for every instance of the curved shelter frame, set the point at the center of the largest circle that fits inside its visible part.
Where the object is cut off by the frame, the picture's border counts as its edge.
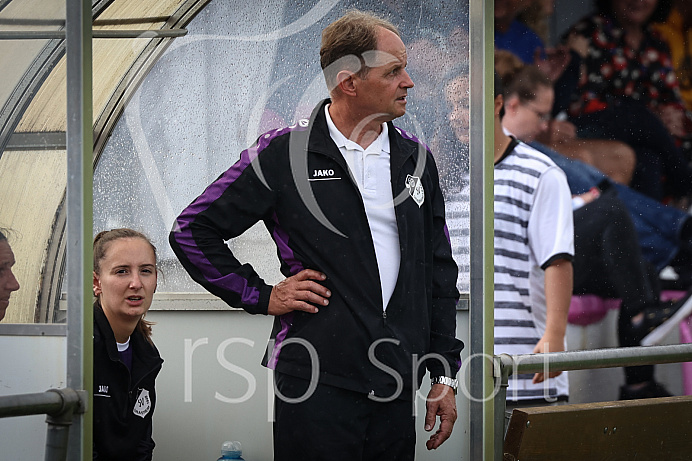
(33, 124)
(131, 41)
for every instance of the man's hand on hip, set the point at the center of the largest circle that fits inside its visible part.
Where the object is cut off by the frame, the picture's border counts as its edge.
(299, 292)
(441, 402)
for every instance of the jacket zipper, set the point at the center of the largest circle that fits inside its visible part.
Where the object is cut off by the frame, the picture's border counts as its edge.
(344, 166)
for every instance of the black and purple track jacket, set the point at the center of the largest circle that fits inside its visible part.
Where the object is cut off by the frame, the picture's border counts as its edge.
(296, 181)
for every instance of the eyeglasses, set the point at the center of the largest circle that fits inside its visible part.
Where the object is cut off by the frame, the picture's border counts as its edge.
(541, 115)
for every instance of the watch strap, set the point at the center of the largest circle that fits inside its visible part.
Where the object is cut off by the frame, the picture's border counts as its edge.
(447, 381)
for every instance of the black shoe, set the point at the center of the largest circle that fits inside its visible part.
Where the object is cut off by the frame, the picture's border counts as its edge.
(652, 390)
(659, 321)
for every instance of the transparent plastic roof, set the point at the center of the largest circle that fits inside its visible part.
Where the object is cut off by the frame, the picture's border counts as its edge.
(237, 74)
(33, 123)
(17, 56)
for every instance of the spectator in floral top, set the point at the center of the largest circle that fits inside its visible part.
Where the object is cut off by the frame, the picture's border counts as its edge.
(516, 41)
(628, 92)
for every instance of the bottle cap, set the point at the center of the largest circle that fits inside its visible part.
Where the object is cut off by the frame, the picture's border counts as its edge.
(231, 448)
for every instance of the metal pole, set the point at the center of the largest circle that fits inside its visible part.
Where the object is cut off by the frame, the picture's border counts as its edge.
(79, 215)
(30, 404)
(481, 171)
(501, 375)
(59, 422)
(57, 436)
(596, 358)
(58, 404)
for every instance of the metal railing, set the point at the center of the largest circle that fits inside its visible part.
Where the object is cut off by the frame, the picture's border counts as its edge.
(60, 405)
(506, 365)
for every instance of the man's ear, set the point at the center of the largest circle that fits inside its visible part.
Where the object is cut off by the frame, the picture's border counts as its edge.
(345, 81)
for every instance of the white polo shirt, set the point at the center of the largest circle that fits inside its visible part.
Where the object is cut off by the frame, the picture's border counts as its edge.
(371, 171)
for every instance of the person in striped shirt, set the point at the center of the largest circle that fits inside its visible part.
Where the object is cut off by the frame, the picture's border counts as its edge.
(534, 248)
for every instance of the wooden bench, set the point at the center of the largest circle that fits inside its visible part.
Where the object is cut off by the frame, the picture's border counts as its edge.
(648, 429)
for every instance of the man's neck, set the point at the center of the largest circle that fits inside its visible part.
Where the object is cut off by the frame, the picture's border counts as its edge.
(501, 143)
(353, 127)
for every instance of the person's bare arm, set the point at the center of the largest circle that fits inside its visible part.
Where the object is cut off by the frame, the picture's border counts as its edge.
(558, 294)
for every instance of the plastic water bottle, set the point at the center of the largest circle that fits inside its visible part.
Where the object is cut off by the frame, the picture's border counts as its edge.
(231, 450)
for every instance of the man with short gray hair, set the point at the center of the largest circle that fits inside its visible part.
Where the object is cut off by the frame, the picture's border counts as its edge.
(354, 206)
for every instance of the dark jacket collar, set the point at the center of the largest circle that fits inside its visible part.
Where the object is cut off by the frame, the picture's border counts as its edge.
(104, 333)
(141, 348)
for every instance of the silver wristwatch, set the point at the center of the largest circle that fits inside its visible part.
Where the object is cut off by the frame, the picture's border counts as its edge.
(447, 381)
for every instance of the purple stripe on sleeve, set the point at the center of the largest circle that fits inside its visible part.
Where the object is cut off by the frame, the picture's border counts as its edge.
(447, 234)
(286, 323)
(183, 232)
(281, 238)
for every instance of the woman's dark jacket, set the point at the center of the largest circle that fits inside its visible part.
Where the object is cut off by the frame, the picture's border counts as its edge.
(124, 400)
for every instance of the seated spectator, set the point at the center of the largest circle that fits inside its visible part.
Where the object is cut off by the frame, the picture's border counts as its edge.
(8, 282)
(615, 159)
(126, 362)
(627, 91)
(608, 263)
(607, 259)
(664, 232)
(513, 35)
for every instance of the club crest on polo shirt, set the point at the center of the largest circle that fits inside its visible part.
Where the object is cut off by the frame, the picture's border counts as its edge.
(415, 189)
(143, 404)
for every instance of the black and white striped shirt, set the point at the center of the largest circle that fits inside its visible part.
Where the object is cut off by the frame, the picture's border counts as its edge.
(533, 228)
